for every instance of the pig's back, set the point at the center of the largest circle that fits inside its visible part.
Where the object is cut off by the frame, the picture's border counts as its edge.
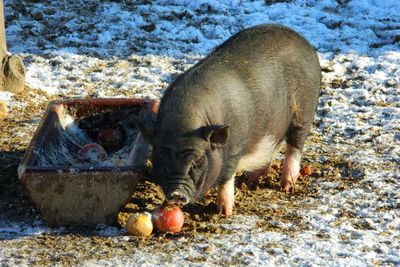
(248, 83)
(255, 75)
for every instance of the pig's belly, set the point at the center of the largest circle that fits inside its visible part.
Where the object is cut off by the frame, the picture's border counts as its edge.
(262, 155)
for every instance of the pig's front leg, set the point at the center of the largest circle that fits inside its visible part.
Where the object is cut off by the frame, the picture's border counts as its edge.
(226, 197)
(226, 187)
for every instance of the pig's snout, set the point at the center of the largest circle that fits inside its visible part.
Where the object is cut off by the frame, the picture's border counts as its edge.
(177, 197)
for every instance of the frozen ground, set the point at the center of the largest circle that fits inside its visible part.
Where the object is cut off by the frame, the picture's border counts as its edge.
(350, 216)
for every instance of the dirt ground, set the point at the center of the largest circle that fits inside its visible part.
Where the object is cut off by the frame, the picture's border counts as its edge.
(76, 243)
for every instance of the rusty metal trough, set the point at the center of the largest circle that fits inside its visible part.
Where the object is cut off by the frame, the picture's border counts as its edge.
(68, 194)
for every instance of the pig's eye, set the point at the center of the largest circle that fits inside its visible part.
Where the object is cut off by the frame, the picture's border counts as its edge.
(197, 161)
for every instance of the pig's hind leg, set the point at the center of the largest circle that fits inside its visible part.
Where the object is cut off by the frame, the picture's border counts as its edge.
(291, 168)
(295, 138)
(254, 176)
(303, 109)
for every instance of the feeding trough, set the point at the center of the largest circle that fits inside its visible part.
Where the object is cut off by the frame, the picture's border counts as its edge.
(68, 188)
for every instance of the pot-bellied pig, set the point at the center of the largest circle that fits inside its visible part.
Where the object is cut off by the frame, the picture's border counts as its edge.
(231, 111)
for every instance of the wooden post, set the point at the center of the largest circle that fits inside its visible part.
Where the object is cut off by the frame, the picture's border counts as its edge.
(3, 43)
(12, 71)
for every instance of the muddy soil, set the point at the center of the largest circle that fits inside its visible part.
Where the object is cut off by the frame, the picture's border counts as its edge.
(251, 198)
(72, 245)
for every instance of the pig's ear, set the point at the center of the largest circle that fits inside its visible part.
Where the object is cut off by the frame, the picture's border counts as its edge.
(217, 135)
(146, 128)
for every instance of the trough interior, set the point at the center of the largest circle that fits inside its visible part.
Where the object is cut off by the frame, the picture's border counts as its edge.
(71, 125)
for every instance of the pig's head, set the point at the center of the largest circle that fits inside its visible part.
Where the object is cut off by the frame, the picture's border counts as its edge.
(186, 165)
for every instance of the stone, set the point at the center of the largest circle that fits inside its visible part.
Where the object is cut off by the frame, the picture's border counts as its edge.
(13, 77)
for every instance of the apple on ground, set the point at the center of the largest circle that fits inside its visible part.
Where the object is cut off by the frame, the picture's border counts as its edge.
(168, 219)
(140, 225)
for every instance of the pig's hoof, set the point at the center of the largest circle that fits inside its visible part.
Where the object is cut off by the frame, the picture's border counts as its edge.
(225, 204)
(226, 198)
(254, 177)
(249, 178)
(225, 209)
(288, 183)
(287, 188)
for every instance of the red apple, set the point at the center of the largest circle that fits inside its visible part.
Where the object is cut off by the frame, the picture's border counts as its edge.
(168, 219)
(92, 153)
(110, 138)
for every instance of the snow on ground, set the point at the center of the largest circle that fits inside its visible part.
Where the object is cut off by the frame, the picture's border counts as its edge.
(135, 48)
